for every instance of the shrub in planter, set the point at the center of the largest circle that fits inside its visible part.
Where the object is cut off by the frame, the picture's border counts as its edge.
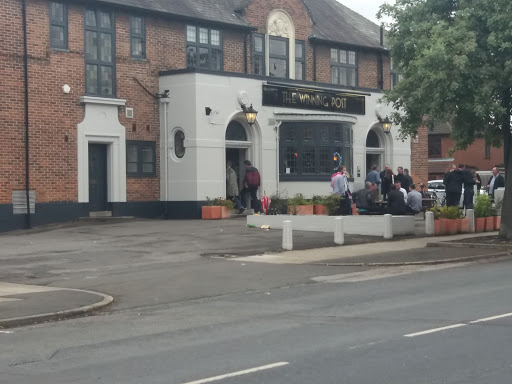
(278, 205)
(483, 209)
(298, 205)
(479, 224)
(318, 206)
(448, 220)
(219, 208)
(332, 204)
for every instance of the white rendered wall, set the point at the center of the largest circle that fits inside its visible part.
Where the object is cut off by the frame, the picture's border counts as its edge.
(201, 172)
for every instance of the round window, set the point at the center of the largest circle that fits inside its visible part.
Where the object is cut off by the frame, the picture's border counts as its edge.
(179, 144)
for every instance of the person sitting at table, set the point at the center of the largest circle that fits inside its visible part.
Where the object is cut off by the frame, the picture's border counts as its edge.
(396, 202)
(365, 200)
(425, 194)
(414, 202)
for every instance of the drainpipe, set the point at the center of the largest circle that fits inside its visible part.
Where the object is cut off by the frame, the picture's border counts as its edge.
(245, 53)
(28, 222)
(381, 60)
(314, 62)
(165, 102)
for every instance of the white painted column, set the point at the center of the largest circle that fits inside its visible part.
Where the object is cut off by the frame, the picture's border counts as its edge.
(388, 226)
(287, 236)
(470, 214)
(339, 232)
(429, 223)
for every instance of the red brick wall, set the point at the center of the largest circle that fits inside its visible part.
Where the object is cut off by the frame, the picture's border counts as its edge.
(473, 155)
(419, 157)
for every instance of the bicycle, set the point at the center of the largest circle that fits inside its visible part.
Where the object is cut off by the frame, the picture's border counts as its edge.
(440, 200)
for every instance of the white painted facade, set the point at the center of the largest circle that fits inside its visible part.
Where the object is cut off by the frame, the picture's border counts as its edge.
(201, 172)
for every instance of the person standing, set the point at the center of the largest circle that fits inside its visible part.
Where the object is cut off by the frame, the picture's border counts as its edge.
(373, 176)
(400, 176)
(387, 181)
(232, 187)
(469, 187)
(340, 187)
(252, 184)
(478, 180)
(453, 180)
(496, 181)
(407, 180)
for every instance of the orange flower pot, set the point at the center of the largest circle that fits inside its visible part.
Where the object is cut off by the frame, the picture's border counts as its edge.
(489, 224)
(439, 227)
(451, 226)
(463, 225)
(497, 222)
(301, 210)
(479, 224)
(320, 209)
(215, 212)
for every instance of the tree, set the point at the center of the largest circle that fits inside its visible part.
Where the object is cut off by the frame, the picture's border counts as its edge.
(455, 57)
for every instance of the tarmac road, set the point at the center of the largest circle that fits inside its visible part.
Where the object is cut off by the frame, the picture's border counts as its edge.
(434, 324)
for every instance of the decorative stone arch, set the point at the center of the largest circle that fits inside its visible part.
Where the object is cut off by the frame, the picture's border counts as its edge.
(377, 142)
(280, 24)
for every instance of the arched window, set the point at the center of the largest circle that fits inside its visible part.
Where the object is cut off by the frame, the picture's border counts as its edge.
(179, 144)
(236, 132)
(372, 140)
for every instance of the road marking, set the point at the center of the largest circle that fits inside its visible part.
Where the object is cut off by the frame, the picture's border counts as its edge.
(6, 332)
(435, 330)
(491, 318)
(239, 373)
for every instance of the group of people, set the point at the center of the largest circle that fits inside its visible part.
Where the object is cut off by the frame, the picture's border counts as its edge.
(463, 176)
(399, 191)
(250, 186)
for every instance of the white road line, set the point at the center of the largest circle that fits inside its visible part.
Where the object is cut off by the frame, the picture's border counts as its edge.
(491, 318)
(6, 332)
(239, 373)
(435, 330)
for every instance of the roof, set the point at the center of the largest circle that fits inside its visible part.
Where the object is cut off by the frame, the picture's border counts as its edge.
(334, 22)
(441, 129)
(216, 11)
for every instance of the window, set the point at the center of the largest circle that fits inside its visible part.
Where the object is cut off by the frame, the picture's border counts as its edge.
(300, 60)
(343, 67)
(99, 53)
(434, 147)
(311, 150)
(204, 48)
(259, 54)
(179, 144)
(137, 37)
(140, 158)
(236, 132)
(487, 150)
(58, 25)
(278, 57)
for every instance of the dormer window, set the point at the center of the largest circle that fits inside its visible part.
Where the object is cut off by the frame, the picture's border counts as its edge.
(204, 48)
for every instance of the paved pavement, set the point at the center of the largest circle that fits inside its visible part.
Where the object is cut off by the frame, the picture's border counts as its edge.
(34, 260)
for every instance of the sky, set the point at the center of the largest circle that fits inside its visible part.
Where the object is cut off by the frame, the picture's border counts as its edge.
(367, 8)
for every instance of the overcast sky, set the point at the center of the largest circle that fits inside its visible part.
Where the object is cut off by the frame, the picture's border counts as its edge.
(367, 8)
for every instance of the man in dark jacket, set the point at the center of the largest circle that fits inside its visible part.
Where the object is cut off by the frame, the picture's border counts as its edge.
(495, 182)
(407, 180)
(469, 186)
(251, 185)
(453, 183)
(400, 177)
(396, 202)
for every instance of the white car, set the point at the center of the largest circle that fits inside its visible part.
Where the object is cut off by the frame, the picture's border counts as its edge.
(439, 188)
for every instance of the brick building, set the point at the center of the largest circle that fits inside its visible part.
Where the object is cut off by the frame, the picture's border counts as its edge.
(134, 106)
(479, 155)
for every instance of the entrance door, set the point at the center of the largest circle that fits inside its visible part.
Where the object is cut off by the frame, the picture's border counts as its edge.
(98, 197)
(237, 157)
(373, 159)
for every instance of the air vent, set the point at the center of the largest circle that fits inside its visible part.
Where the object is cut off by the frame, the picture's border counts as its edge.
(19, 202)
(129, 113)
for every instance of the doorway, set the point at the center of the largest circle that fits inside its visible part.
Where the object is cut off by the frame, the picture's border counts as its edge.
(237, 157)
(98, 188)
(373, 159)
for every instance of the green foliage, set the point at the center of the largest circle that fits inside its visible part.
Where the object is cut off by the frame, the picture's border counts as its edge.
(332, 204)
(437, 214)
(318, 200)
(278, 203)
(450, 212)
(298, 199)
(483, 206)
(219, 201)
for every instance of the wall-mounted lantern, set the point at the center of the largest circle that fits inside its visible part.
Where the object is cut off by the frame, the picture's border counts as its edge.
(250, 114)
(386, 124)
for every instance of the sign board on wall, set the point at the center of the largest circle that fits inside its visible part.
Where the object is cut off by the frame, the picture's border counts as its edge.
(305, 98)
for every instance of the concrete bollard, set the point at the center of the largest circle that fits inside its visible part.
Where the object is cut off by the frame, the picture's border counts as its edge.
(287, 235)
(339, 231)
(470, 214)
(388, 226)
(429, 223)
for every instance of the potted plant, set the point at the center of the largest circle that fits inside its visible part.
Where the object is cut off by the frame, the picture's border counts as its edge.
(218, 208)
(332, 204)
(318, 206)
(451, 217)
(298, 205)
(482, 211)
(278, 205)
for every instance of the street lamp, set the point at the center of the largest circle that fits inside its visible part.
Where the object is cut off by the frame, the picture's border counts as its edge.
(250, 114)
(386, 124)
